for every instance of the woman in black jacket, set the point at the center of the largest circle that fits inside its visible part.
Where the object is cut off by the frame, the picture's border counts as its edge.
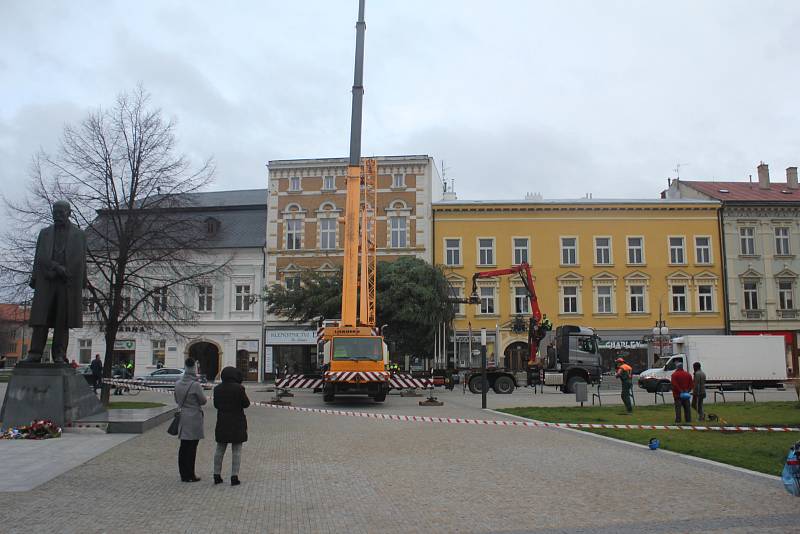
(230, 400)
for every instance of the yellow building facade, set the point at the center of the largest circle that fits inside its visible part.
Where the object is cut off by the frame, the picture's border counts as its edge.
(610, 265)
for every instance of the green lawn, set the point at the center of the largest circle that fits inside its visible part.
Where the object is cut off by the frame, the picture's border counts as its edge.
(132, 405)
(733, 413)
(762, 451)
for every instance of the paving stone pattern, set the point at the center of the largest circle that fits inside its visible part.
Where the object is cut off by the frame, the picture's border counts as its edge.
(320, 473)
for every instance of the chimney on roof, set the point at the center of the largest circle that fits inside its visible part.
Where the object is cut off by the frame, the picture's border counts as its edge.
(791, 177)
(763, 176)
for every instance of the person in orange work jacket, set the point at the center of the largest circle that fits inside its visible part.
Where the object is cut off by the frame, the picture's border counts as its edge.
(625, 375)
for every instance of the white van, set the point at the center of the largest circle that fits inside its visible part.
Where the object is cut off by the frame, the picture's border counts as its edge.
(759, 361)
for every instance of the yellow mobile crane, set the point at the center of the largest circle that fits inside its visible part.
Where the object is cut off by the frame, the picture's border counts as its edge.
(354, 353)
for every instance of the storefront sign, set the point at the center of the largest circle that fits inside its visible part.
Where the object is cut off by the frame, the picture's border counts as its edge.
(268, 364)
(623, 344)
(124, 344)
(291, 337)
(250, 345)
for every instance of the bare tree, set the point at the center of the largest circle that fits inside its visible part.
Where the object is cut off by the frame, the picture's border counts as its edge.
(132, 194)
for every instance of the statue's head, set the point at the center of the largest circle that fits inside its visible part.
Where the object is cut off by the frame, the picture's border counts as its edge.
(61, 211)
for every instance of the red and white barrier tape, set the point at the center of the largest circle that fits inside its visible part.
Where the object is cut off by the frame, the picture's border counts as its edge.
(527, 424)
(524, 424)
(160, 385)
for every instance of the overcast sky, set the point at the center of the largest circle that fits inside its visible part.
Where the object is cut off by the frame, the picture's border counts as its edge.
(559, 97)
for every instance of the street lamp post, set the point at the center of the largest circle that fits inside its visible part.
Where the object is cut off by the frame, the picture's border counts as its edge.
(659, 331)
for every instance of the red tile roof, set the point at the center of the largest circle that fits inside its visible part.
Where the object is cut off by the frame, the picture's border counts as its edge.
(746, 191)
(14, 313)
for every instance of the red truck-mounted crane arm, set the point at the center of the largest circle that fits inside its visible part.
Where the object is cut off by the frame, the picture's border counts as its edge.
(536, 331)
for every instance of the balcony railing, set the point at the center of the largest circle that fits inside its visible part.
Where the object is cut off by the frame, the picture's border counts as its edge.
(753, 314)
(787, 314)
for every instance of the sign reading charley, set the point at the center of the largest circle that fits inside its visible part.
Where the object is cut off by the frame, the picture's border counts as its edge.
(58, 281)
(39, 390)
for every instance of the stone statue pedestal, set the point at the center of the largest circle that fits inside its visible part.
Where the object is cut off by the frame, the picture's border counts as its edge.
(47, 391)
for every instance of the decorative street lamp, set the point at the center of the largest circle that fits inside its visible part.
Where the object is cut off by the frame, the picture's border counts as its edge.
(659, 331)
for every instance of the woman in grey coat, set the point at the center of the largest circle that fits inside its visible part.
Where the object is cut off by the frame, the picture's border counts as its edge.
(190, 398)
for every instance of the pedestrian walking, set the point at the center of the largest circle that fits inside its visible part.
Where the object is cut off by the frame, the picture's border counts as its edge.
(97, 372)
(190, 398)
(699, 391)
(230, 400)
(682, 385)
(74, 364)
(625, 375)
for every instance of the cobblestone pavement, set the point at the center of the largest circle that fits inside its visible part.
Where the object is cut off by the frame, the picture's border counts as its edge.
(319, 473)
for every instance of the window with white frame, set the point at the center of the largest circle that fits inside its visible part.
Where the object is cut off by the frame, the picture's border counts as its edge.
(702, 250)
(205, 298)
(457, 292)
(291, 282)
(327, 233)
(293, 234)
(159, 351)
(678, 298)
(602, 250)
(605, 298)
(750, 290)
(677, 254)
(328, 183)
(785, 295)
(452, 251)
(705, 298)
(159, 296)
(521, 301)
(782, 241)
(487, 306)
(294, 183)
(399, 233)
(636, 298)
(398, 180)
(88, 306)
(486, 251)
(635, 250)
(521, 250)
(242, 298)
(569, 300)
(747, 241)
(84, 350)
(569, 251)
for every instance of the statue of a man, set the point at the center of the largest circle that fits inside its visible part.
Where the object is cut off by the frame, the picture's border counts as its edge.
(58, 280)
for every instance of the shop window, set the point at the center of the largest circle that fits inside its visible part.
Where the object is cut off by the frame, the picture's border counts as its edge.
(159, 351)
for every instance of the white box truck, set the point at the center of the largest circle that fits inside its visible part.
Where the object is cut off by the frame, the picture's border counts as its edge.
(758, 361)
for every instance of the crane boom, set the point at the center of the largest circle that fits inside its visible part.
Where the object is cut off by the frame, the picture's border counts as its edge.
(352, 218)
(536, 331)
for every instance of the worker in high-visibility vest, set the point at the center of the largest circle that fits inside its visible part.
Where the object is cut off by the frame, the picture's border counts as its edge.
(625, 375)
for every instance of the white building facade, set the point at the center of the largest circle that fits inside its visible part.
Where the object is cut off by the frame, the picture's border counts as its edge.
(760, 222)
(227, 326)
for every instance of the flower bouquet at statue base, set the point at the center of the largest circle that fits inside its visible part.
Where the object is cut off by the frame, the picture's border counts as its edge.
(39, 429)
